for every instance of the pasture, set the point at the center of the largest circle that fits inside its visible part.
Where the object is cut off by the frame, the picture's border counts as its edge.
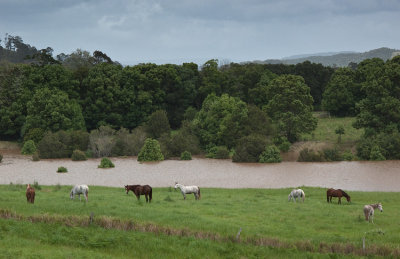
(172, 227)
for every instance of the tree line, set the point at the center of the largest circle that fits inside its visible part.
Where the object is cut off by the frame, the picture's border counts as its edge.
(230, 107)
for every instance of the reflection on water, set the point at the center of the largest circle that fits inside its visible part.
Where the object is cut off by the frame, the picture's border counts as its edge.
(366, 176)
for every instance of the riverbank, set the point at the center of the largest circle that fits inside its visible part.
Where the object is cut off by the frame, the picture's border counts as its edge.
(352, 176)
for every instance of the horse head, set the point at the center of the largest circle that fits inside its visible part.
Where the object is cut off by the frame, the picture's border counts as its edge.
(176, 185)
(126, 189)
(380, 207)
(28, 186)
(348, 199)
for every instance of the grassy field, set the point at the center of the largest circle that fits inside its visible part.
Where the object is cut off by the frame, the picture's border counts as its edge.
(172, 227)
(326, 127)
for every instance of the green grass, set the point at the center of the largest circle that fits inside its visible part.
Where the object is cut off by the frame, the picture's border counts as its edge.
(325, 130)
(263, 214)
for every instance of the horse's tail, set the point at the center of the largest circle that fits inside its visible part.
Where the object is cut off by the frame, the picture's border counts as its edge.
(303, 195)
(199, 193)
(151, 194)
(87, 194)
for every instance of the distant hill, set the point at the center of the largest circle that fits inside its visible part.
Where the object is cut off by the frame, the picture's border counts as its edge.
(340, 59)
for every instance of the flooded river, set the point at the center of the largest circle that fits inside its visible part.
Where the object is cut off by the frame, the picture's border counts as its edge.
(363, 176)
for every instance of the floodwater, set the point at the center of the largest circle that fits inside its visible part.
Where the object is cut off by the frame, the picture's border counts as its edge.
(361, 176)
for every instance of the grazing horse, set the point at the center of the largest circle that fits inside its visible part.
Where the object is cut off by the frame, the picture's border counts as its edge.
(369, 211)
(30, 194)
(188, 189)
(79, 189)
(296, 193)
(336, 193)
(138, 190)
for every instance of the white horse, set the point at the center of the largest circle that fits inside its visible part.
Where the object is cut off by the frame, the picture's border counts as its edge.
(296, 193)
(188, 189)
(79, 189)
(369, 211)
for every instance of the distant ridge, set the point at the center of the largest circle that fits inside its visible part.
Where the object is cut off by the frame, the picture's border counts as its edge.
(334, 59)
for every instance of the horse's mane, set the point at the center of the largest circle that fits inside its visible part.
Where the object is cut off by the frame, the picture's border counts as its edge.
(344, 193)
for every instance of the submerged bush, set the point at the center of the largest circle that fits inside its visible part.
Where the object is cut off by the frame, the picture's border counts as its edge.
(1, 157)
(186, 155)
(62, 169)
(309, 155)
(78, 155)
(332, 154)
(271, 154)
(151, 151)
(348, 156)
(106, 163)
(250, 148)
(29, 148)
(35, 156)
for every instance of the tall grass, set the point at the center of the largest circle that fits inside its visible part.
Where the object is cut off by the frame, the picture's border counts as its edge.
(264, 215)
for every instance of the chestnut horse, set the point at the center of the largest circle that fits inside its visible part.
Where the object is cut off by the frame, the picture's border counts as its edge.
(30, 194)
(336, 193)
(138, 190)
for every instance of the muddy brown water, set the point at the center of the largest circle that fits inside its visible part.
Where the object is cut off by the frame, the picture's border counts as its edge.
(361, 176)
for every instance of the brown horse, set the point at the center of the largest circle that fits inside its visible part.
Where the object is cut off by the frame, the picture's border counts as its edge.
(30, 194)
(138, 190)
(336, 193)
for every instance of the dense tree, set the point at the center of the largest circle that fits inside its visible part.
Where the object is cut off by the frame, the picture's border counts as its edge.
(53, 110)
(221, 120)
(157, 124)
(290, 105)
(338, 97)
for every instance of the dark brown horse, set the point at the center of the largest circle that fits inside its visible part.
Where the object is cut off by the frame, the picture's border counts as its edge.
(336, 193)
(30, 194)
(138, 190)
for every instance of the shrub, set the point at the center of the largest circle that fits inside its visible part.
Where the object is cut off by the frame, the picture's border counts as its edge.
(183, 140)
(347, 156)
(309, 155)
(186, 155)
(376, 154)
(78, 155)
(249, 148)
(222, 152)
(29, 148)
(35, 156)
(106, 163)
(35, 134)
(128, 144)
(102, 141)
(282, 143)
(62, 169)
(332, 154)
(211, 151)
(150, 151)
(271, 154)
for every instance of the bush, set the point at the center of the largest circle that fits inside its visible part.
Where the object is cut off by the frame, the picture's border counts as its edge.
(62, 169)
(106, 163)
(128, 144)
(78, 155)
(348, 156)
(332, 155)
(186, 155)
(29, 148)
(376, 154)
(271, 154)
(211, 151)
(35, 134)
(36, 185)
(35, 156)
(151, 151)
(249, 148)
(222, 152)
(102, 141)
(309, 155)
(282, 143)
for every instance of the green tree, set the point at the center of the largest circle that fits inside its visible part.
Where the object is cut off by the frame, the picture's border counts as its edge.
(151, 151)
(340, 131)
(220, 122)
(290, 105)
(338, 97)
(271, 154)
(53, 110)
(157, 124)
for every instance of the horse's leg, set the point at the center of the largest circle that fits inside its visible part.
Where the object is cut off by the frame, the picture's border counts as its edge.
(147, 200)
(339, 200)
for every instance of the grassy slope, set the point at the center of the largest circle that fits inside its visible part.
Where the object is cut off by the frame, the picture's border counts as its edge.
(261, 213)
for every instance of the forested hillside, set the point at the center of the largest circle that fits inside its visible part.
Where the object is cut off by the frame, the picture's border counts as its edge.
(89, 102)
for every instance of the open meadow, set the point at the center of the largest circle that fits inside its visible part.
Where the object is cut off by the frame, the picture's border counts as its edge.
(172, 227)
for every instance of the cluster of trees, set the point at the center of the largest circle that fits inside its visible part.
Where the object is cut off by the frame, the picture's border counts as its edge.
(234, 108)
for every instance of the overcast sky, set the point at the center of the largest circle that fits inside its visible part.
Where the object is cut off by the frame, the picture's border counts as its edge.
(176, 31)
